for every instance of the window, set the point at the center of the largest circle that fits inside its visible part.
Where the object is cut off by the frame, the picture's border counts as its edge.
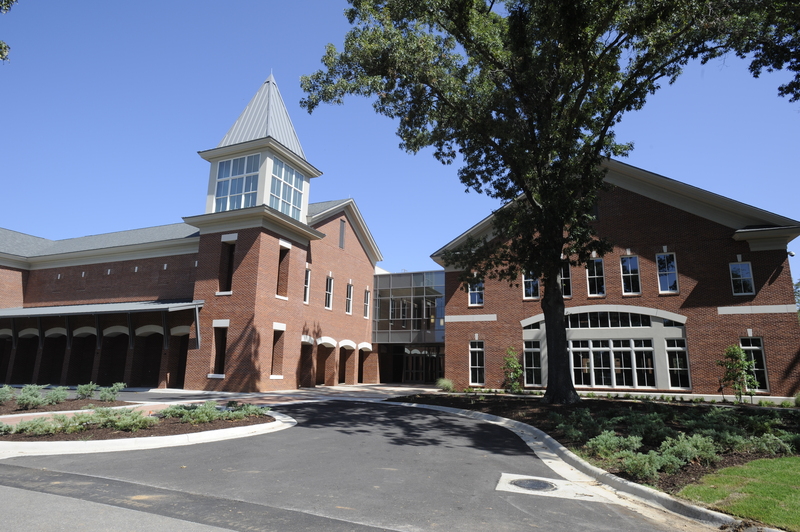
(605, 320)
(329, 293)
(237, 183)
(595, 277)
(342, 226)
(476, 294)
(403, 313)
(566, 280)
(613, 363)
(755, 351)
(366, 303)
(348, 300)
(532, 363)
(226, 266)
(667, 273)
(277, 352)
(678, 361)
(307, 287)
(282, 289)
(742, 279)
(530, 286)
(220, 347)
(476, 365)
(630, 275)
(286, 190)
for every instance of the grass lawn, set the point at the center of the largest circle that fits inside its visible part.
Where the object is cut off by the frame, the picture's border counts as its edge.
(765, 490)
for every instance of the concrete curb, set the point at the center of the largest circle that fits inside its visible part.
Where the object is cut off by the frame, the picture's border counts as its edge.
(650, 495)
(14, 449)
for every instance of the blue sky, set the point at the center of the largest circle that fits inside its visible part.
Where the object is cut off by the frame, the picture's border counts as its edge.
(106, 104)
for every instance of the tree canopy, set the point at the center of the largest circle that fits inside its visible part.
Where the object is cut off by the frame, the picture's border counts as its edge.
(5, 5)
(525, 94)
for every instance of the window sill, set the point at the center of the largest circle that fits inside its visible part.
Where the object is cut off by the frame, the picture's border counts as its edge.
(669, 293)
(638, 294)
(216, 375)
(276, 377)
(228, 293)
(284, 298)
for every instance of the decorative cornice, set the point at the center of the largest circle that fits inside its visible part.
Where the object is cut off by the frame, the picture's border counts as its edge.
(258, 216)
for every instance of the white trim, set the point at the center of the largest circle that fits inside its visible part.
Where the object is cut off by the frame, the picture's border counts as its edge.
(326, 341)
(657, 313)
(115, 330)
(470, 317)
(230, 237)
(221, 323)
(758, 309)
(147, 330)
(81, 332)
(306, 339)
(228, 293)
(180, 330)
(277, 326)
(282, 298)
(5, 333)
(276, 377)
(30, 332)
(284, 244)
(216, 375)
(54, 332)
(365, 346)
(348, 344)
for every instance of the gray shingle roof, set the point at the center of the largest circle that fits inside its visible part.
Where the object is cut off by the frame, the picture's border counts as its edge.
(23, 245)
(265, 116)
(322, 206)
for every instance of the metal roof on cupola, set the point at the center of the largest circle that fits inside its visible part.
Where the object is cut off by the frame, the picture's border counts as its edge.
(264, 117)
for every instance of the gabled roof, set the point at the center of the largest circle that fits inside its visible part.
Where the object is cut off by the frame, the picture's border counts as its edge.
(761, 229)
(318, 212)
(265, 116)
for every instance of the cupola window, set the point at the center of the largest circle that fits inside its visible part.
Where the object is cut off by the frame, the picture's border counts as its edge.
(237, 183)
(286, 190)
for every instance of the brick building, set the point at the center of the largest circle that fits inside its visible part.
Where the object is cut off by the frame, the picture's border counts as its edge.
(691, 273)
(263, 291)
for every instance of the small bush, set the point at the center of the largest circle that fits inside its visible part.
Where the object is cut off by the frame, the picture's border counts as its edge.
(797, 400)
(56, 395)
(6, 393)
(5, 429)
(769, 443)
(108, 395)
(689, 448)
(86, 391)
(641, 466)
(608, 444)
(787, 404)
(446, 385)
(30, 397)
(39, 426)
(513, 371)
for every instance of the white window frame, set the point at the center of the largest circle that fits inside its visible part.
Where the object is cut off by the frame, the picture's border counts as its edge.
(348, 300)
(671, 349)
(627, 345)
(742, 279)
(667, 273)
(750, 350)
(307, 287)
(476, 297)
(329, 293)
(533, 283)
(630, 276)
(366, 304)
(286, 189)
(566, 280)
(531, 351)
(224, 197)
(477, 363)
(593, 275)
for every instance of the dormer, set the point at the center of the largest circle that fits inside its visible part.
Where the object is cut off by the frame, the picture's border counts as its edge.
(260, 161)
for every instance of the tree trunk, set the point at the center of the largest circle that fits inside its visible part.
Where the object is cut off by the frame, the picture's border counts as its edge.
(560, 389)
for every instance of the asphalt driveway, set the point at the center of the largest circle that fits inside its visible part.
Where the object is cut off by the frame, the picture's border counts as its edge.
(344, 466)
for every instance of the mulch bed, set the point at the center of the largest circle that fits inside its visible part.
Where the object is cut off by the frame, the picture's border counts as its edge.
(166, 427)
(533, 411)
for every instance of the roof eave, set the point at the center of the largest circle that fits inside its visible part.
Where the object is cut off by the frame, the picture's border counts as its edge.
(767, 238)
(260, 215)
(359, 225)
(290, 157)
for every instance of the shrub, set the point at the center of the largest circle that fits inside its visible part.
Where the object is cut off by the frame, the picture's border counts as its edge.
(86, 391)
(56, 395)
(797, 400)
(608, 444)
(125, 419)
(641, 466)
(108, 395)
(30, 397)
(6, 393)
(5, 429)
(787, 404)
(769, 443)
(737, 372)
(445, 385)
(39, 426)
(689, 448)
(513, 371)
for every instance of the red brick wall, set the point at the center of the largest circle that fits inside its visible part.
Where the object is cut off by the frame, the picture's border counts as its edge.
(133, 280)
(11, 283)
(703, 251)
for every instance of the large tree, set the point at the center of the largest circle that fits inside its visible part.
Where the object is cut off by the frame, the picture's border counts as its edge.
(5, 5)
(525, 94)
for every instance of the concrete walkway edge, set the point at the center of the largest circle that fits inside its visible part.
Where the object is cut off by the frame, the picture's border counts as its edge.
(642, 492)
